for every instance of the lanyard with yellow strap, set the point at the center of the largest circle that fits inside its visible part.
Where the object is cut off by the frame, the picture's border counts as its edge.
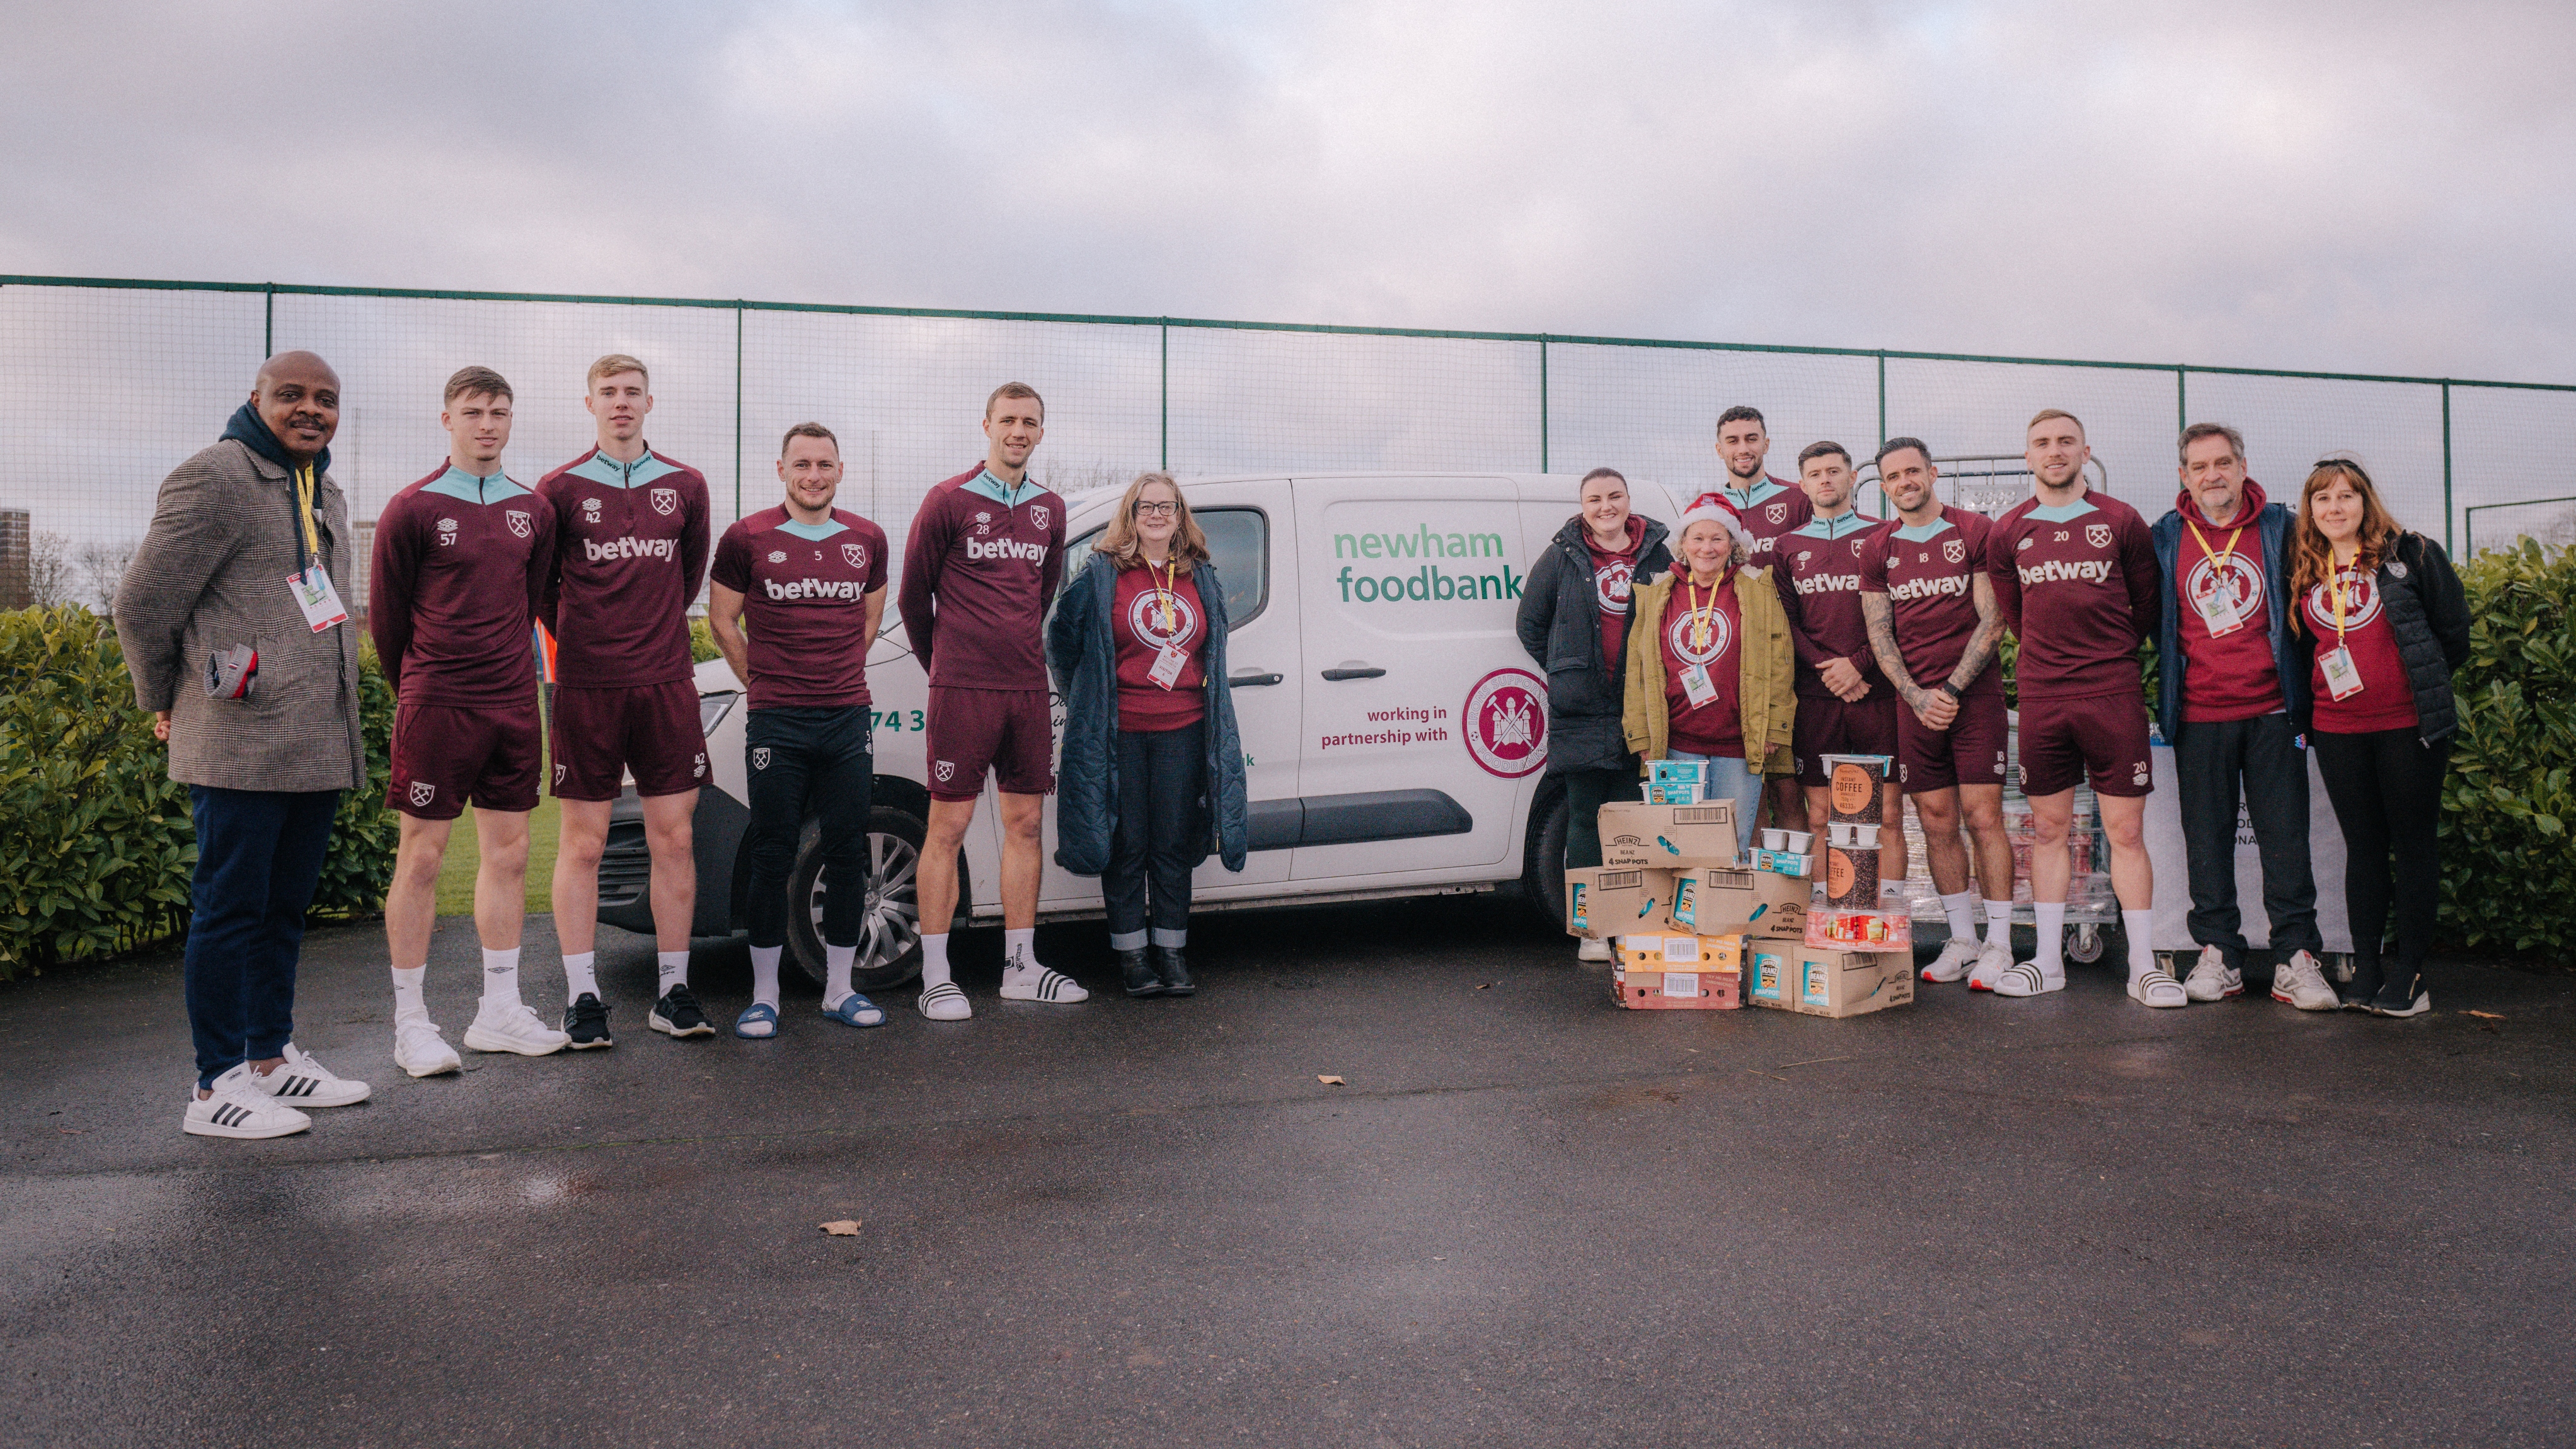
(1702, 620)
(1164, 584)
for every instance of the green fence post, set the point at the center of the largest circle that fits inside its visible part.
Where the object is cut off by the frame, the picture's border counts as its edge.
(2182, 400)
(1542, 402)
(268, 322)
(1166, 365)
(1882, 397)
(2446, 463)
(737, 407)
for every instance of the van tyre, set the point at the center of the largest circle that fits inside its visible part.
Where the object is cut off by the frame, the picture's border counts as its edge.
(1543, 861)
(890, 935)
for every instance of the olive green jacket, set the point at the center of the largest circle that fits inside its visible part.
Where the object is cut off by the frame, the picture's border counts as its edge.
(1764, 657)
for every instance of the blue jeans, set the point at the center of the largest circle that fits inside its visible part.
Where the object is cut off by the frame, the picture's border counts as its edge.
(259, 857)
(1730, 779)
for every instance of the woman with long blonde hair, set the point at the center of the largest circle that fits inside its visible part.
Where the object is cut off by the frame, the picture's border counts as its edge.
(2378, 618)
(1152, 772)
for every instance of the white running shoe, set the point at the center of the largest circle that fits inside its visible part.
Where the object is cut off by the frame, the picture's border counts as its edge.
(2301, 982)
(514, 1028)
(238, 1108)
(2024, 978)
(307, 1083)
(1596, 951)
(421, 1051)
(944, 1002)
(2212, 979)
(2156, 987)
(1040, 983)
(1993, 959)
(1957, 955)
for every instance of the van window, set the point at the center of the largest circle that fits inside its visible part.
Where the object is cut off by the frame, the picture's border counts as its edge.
(1239, 546)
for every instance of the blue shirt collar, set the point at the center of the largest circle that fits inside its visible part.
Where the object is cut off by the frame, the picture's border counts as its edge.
(601, 468)
(813, 532)
(994, 488)
(1762, 492)
(2064, 512)
(459, 484)
(1930, 530)
(1838, 525)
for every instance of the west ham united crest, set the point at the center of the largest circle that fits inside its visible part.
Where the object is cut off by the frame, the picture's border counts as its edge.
(666, 501)
(1955, 550)
(1778, 513)
(422, 792)
(2098, 534)
(521, 523)
(760, 757)
(1038, 514)
(855, 555)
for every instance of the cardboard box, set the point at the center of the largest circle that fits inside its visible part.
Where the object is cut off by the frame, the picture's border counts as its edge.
(1673, 794)
(1677, 990)
(1668, 837)
(1830, 929)
(1859, 787)
(1851, 983)
(1769, 973)
(1606, 901)
(1711, 901)
(1673, 951)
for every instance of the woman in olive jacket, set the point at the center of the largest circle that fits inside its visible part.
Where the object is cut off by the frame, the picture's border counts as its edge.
(1710, 665)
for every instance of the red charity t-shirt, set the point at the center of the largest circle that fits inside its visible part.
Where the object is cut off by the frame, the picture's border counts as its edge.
(1716, 728)
(1139, 623)
(1612, 576)
(2387, 698)
(804, 601)
(2233, 675)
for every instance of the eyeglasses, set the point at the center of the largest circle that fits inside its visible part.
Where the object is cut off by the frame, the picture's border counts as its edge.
(1157, 510)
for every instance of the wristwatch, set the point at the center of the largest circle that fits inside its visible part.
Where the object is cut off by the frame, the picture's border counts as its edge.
(1946, 687)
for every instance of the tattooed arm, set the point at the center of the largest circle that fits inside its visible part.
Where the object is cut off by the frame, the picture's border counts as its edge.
(1981, 644)
(1935, 709)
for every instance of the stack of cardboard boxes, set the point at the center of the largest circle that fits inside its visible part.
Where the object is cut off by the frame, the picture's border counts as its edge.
(1852, 957)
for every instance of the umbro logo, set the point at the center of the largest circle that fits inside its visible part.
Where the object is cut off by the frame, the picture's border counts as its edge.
(446, 532)
(777, 556)
(700, 770)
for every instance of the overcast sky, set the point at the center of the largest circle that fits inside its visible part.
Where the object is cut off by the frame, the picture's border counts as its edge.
(2349, 186)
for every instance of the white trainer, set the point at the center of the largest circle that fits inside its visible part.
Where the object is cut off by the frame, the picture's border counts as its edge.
(1040, 983)
(2024, 978)
(1957, 955)
(514, 1028)
(238, 1108)
(2212, 979)
(2302, 983)
(2156, 987)
(1993, 959)
(421, 1051)
(1596, 951)
(307, 1083)
(944, 1002)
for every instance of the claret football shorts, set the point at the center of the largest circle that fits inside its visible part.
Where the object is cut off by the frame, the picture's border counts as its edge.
(1008, 731)
(1969, 752)
(2105, 737)
(652, 730)
(445, 756)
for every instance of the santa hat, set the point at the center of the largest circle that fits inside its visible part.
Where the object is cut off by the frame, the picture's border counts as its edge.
(1711, 512)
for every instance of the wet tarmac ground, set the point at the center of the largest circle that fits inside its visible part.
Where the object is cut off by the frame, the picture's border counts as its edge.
(1529, 1218)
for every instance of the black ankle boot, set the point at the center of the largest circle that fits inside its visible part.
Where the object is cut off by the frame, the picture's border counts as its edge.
(1141, 980)
(1174, 971)
(2358, 993)
(2402, 995)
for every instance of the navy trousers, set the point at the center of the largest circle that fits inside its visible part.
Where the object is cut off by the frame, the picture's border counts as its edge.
(259, 857)
(1161, 775)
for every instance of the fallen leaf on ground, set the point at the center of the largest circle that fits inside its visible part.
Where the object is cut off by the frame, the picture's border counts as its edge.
(845, 1228)
(1330, 1081)
(2488, 1015)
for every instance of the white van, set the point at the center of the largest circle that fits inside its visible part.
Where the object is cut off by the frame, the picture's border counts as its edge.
(1395, 733)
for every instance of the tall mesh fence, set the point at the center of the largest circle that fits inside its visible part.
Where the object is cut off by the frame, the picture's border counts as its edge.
(105, 386)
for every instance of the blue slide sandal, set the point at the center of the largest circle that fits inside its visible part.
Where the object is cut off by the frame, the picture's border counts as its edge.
(753, 1015)
(856, 1010)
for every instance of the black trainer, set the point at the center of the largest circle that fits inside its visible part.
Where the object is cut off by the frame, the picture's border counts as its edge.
(677, 1014)
(1139, 974)
(2402, 996)
(586, 1022)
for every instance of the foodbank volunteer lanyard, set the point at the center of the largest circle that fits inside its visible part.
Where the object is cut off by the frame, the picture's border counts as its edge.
(2205, 549)
(308, 540)
(1702, 620)
(1163, 595)
(2338, 591)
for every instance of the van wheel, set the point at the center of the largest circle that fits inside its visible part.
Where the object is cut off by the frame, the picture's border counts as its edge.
(1543, 863)
(890, 933)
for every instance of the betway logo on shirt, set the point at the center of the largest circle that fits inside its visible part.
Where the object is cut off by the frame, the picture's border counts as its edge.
(1005, 548)
(813, 588)
(2085, 571)
(630, 547)
(1828, 584)
(1929, 588)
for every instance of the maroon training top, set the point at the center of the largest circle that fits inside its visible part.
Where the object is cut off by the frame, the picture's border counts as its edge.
(804, 594)
(1820, 562)
(1715, 729)
(2232, 675)
(1767, 510)
(1929, 578)
(979, 569)
(2080, 586)
(1613, 574)
(1137, 622)
(457, 573)
(2387, 697)
(630, 551)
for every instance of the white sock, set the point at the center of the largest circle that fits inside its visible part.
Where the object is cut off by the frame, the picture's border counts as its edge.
(407, 1003)
(501, 977)
(934, 961)
(1999, 924)
(578, 980)
(2051, 959)
(1959, 909)
(764, 975)
(1020, 949)
(675, 969)
(838, 963)
(2139, 927)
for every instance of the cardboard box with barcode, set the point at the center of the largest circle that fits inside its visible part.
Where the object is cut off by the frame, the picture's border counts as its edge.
(1676, 990)
(1611, 900)
(1715, 901)
(1668, 837)
(1676, 951)
(1769, 978)
(1815, 982)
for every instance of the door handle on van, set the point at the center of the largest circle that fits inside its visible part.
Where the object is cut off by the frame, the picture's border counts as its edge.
(1250, 681)
(1353, 669)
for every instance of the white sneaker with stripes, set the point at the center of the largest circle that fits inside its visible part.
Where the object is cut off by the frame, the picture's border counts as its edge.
(2302, 983)
(421, 1051)
(307, 1083)
(1957, 955)
(2024, 978)
(1040, 983)
(944, 1002)
(2156, 987)
(2212, 979)
(237, 1108)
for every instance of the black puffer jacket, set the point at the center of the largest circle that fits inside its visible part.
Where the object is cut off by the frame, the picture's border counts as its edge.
(1560, 626)
(2428, 611)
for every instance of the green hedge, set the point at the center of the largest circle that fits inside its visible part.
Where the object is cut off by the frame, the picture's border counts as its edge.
(96, 844)
(2507, 807)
